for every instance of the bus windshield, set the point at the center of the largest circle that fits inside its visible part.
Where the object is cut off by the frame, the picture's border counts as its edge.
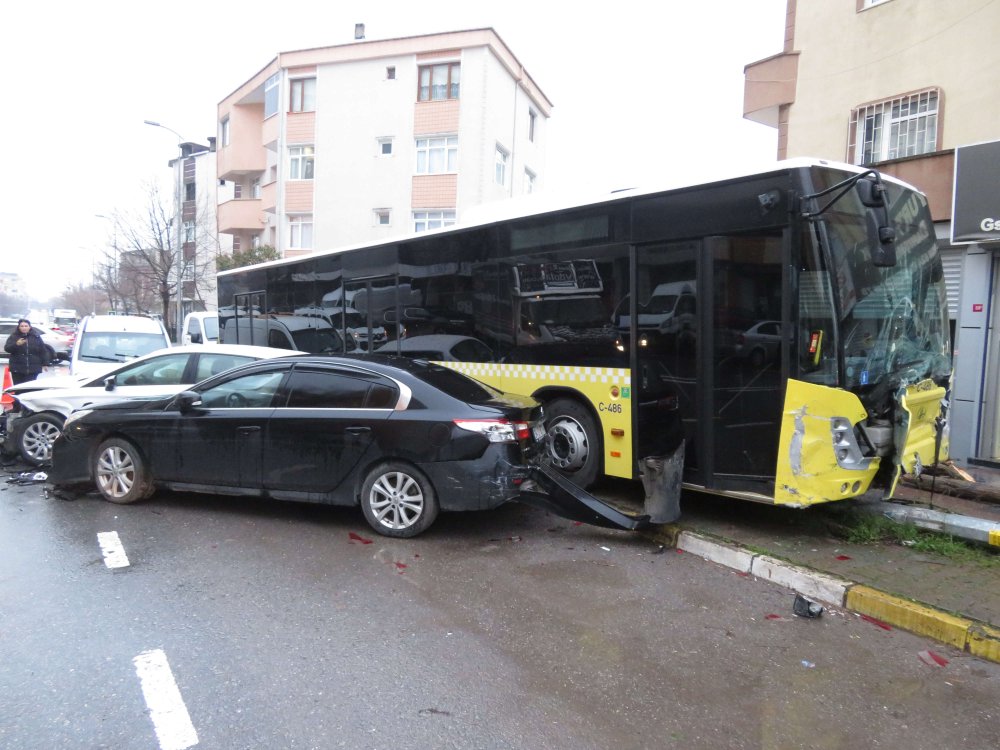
(893, 321)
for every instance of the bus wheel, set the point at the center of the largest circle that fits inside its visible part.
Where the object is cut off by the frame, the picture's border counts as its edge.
(573, 441)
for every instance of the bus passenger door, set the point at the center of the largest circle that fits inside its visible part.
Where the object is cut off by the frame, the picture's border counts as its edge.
(660, 322)
(744, 343)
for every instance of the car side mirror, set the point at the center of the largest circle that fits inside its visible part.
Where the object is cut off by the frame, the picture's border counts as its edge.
(195, 338)
(187, 401)
(109, 383)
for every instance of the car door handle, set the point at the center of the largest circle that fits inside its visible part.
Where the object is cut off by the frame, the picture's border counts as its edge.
(248, 430)
(358, 430)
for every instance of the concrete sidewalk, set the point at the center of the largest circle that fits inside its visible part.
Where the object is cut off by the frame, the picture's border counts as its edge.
(956, 602)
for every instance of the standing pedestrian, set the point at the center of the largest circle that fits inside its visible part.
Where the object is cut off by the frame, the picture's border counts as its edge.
(28, 353)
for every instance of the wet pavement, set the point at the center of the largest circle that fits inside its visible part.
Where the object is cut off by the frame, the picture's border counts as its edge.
(813, 538)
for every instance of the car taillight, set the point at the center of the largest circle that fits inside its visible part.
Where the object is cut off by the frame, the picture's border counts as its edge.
(497, 430)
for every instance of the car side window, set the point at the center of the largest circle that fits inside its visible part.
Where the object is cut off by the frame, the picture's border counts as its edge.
(212, 364)
(313, 389)
(252, 391)
(167, 370)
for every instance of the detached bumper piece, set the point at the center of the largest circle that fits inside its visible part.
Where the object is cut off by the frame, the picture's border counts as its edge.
(561, 497)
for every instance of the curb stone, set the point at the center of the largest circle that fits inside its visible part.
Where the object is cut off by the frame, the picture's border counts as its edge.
(979, 639)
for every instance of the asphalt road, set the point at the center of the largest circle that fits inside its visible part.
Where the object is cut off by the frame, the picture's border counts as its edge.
(246, 624)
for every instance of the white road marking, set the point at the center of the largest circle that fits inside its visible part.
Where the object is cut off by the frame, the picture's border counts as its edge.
(170, 717)
(114, 551)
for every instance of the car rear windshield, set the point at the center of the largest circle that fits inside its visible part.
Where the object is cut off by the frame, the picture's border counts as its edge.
(457, 385)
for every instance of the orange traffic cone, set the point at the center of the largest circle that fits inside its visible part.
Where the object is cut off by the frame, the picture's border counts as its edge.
(8, 381)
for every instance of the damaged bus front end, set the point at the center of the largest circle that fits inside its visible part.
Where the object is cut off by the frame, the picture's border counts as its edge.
(869, 400)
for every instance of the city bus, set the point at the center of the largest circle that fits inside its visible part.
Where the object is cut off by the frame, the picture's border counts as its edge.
(780, 336)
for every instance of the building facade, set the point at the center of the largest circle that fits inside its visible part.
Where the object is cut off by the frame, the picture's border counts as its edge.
(335, 146)
(900, 85)
(196, 193)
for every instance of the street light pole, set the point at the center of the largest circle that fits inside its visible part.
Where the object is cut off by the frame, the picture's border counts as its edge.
(179, 317)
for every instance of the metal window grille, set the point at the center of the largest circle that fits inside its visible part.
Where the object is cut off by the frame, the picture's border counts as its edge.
(894, 128)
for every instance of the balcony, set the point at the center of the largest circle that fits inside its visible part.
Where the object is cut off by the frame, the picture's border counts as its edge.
(767, 85)
(242, 214)
(239, 159)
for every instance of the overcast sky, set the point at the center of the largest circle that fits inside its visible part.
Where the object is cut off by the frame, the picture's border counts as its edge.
(643, 92)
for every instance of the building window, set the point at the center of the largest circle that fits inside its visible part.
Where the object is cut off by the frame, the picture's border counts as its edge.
(439, 82)
(436, 155)
(500, 173)
(303, 95)
(237, 191)
(255, 241)
(424, 220)
(189, 191)
(236, 244)
(382, 217)
(532, 118)
(385, 146)
(894, 128)
(390, 73)
(224, 132)
(529, 181)
(300, 232)
(188, 231)
(300, 162)
(271, 95)
(255, 188)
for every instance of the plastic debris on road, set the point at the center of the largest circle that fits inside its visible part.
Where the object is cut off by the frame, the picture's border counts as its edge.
(358, 538)
(805, 608)
(808, 664)
(932, 659)
(29, 477)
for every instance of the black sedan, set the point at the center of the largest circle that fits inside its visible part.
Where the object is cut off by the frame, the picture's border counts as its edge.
(402, 438)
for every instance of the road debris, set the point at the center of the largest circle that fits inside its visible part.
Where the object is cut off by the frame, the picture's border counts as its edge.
(358, 538)
(805, 608)
(932, 659)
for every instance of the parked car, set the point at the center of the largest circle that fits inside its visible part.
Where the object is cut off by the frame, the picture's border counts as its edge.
(102, 341)
(440, 347)
(401, 438)
(760, 343)
(42, 411)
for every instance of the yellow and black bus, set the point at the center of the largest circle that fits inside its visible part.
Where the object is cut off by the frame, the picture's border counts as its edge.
(784, 332)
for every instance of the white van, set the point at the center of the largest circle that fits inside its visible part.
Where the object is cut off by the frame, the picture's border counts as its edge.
(102, 341)
(201, 328)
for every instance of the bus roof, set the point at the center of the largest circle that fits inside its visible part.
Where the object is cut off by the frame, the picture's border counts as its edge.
(541, 203)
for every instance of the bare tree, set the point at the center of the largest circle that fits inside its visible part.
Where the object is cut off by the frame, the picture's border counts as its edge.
(151, 245)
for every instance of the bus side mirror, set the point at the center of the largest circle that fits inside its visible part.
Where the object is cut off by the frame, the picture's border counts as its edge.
(871, 192)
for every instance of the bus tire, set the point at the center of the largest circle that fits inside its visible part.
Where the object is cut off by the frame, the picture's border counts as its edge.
(573, 442)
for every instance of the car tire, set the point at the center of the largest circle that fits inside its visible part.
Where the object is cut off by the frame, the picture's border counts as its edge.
(573, 443)
(120, 472)
(398, 500)
(36, 435)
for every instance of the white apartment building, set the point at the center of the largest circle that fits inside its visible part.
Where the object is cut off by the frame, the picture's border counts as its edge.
(340, 145)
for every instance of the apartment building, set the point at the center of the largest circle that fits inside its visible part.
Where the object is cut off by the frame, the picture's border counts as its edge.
(195, 183)
(329, 147)
(902, 85)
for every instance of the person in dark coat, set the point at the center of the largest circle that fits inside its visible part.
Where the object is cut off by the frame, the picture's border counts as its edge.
(28, 353)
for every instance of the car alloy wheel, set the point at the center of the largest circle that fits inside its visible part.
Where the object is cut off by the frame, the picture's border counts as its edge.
(120, 472)
(398, 500)
(37, 436)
